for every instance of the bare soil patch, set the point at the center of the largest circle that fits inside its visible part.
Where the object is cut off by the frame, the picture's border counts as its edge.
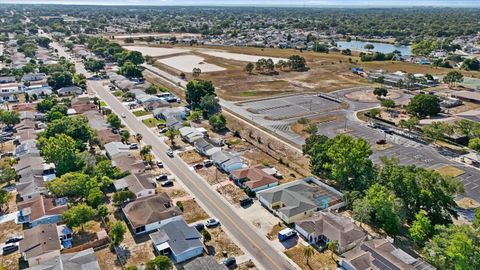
(192, 212)
(221, 242)
(317, 261)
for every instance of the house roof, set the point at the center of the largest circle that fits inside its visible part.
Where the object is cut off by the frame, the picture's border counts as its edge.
(40, 206)
(107, 136)
(29, 164)
(127, 162)
(134, 182)
(31, 184)
(25, 124)
(27, 134)
(150, 209)
(359, 259)
(178, 235)
(70, 89)
(334, 227)
(115, 148)
(40, 240)
(225, 158)
(81, 107)
(82, 260)
(204, 263)
(255, 175)
(27, 147)
(300, 196)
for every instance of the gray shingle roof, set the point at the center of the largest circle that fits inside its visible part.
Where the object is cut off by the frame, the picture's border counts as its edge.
(179, 236)
(204, 263)
(83, 260)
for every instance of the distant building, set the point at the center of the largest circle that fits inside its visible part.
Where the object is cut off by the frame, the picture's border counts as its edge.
(69, 91)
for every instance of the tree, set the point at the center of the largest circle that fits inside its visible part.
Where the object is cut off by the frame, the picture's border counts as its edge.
(209, 105)
(134, 57)
(78, 215)
(423, 105)
(124, 135)
(454, 247)
(159, 263)
(76, 127)
(369, 47)
(297, 63)
(437, 130)
(10, 118)
(373, 112)
(206, 236)
(195, 116)
(196, 72)
(380, 91)
(138, 137)
(249, 68)
(146, 150)
(58, 111)
(332, 245)
(62, 151)
(114, 121)
(474, 144)
(388, 103)
(5, 198)
(73, 185)
(151, 90)
(470, 64)
(311, 129)
(476, 219)
(7, 175)
(58, 80)
(105, 168)
(116, 231)
(196, 89)
(102, 211)
(171, 134)
(308, 252)
(94, 65)
(43, 42)
(384, 208)
(467, 128)
(421, 228)
(361, 211)
(218, 122)
(46, 104)
(130, 70)
(410, 123)
(453, 77)
(123, 196)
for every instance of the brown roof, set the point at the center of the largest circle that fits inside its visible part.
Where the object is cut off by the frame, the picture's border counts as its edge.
(25, 107)
(41, 206)
(382, 249)
(82, 108)
(27, 134)
(150, 209)
(360, 259)
(107, 136)
(29, 164)
(332, 226)
(25, 124)
(40, 240)
(256, 177)
(127, 162)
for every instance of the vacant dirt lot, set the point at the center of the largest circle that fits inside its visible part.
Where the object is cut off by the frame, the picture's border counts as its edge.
(317, 261)
(7, 230)
(221, 242)
(192, 212)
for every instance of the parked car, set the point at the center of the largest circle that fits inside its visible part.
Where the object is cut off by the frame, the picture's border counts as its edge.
(286, 234)
(133, 146)
(246, 201)
(123, 115)
(230, 261)
(160, 164)
(162, 177)
(115, 130)
(163, 130)
(168, 183)
(212, 222)
(10, 248)
(381, 141)
(170, 153)
(198, 166)
(199, 226)
(14, 239)
(207, 162)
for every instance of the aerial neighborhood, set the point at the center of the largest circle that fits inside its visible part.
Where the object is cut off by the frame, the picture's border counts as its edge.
(205, 138)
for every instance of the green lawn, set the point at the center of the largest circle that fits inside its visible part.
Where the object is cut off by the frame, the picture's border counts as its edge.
(118, 93)
(248, 94)
(102, 103)
(140, 113)
(152, 122)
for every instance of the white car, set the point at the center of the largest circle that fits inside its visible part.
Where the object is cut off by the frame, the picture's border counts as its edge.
(212, 222)
(123, 115)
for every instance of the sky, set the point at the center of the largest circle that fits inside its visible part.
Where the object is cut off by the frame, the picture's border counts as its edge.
(339, 3)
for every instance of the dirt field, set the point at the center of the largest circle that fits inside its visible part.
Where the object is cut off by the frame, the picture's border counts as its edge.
(221, 242)
(192, 212)
(9, 229)
(317, 261)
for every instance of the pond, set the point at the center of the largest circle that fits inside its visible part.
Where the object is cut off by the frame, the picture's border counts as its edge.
(356, 45)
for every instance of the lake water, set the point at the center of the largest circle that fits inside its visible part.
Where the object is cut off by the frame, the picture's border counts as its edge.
(356, 45)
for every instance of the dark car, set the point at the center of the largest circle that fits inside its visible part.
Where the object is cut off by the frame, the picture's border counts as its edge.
(246, 201)
(198, 166)
(10, 248)
(160, 164)
(381, 141)
(13, 239)
(230, 261)
(168, 183)
(199, 226)
(162, 177)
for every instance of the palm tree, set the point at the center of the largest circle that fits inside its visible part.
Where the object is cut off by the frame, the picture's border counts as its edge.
(308, 253)
(171, 134)
(332, 246)
(138, 137)
(125, 135)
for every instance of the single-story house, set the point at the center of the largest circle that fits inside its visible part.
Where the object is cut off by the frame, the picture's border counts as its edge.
(204, 263)
(27, 148)
(39, 91)
(25, 135)
(41, 210)
(25, 124)
(155, 104)
(139, 184)
(381, 254)
(7, 79)
(146, 98)
(206, 147)
(325, 226)
(191, 134)
(299, 199)
(27, 115)
(31, 77)
(70, 90)
(82, 260)
(180, 113)
(254, 178)
(115, 148)
(30, 186)
(227, 161)
(127, 162)
(173, 122)
(34, 165)
(178, 240)
(465, 95)
(40, 244)
(148, 213)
